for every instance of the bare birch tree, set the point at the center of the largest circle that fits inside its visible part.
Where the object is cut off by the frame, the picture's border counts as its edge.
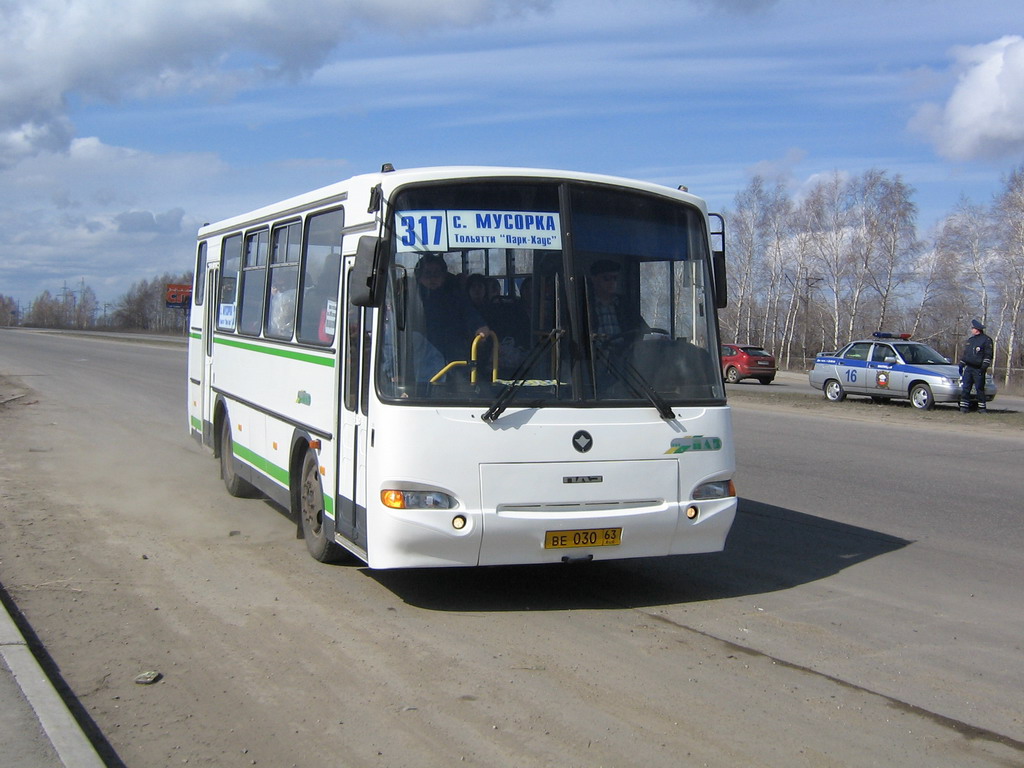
(777, 258)
(966, 239)
(825, 217)
(1008, 219)
(742, 254)
(890, 226)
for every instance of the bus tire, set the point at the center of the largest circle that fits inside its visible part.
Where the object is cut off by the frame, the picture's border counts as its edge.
(237, 486)
(315, 530)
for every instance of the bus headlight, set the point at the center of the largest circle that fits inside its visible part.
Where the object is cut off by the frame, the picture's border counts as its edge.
(395, 499)
(716, 489)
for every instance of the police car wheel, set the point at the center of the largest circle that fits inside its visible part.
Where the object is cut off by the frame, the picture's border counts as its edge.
(834, 391)
(921, 397)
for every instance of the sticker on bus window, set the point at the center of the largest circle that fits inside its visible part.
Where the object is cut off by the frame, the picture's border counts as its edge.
(443, 230)
(226, 317)
(331, 318)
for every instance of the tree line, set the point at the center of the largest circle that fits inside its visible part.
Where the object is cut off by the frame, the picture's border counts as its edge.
(845, 260)
(142, 308)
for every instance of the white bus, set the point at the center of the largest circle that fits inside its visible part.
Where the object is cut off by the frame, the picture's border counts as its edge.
(470, 366)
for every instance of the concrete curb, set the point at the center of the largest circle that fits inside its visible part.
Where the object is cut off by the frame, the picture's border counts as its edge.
(61, 729)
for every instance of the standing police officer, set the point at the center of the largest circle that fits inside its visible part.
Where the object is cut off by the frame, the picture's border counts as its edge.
(975, 360)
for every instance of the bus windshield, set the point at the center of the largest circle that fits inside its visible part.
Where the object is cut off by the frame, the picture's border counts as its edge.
(562, 293)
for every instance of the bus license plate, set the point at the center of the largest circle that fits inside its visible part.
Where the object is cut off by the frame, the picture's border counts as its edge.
(595, 537)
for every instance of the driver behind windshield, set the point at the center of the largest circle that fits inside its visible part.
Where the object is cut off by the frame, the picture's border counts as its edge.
(612, 316)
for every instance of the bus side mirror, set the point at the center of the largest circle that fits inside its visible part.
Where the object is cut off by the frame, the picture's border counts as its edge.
(718, 261)
(365, 287)
(721, 286)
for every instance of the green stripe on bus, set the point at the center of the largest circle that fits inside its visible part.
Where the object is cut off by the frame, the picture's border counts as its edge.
(194, 335)
(276, 351)
(280, 474)
(274, 471)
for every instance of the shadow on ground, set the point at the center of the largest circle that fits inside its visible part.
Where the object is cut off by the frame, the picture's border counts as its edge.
(769, 549)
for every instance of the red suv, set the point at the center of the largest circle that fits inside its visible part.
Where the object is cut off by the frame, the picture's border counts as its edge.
(745, 361)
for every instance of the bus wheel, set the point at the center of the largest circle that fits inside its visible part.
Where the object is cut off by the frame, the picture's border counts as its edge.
(315, 530)
(921, 397)
(237, 486)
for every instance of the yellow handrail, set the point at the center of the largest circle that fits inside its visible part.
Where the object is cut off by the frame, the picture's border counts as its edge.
(443, 371)
(472, 359)
(494, 356)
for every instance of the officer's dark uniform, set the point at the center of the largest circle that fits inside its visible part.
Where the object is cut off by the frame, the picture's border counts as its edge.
(975, 360)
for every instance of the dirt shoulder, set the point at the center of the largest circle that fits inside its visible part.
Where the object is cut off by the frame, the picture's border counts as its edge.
(12, 390)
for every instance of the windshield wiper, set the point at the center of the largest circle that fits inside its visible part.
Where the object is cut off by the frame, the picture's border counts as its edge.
(519, 376)
(635, 380)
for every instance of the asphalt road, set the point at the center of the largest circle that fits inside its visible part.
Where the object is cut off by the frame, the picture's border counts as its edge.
(867, 610)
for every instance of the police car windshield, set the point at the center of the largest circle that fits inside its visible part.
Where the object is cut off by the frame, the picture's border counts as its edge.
(920, 354)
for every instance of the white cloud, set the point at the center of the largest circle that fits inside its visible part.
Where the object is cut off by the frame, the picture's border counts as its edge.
(104, 214)
(168, 222)
(984, 116)
(779, 169)
(295, 95)
(56, 51)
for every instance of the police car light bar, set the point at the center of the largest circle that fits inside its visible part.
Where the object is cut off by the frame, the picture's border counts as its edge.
(884, 335)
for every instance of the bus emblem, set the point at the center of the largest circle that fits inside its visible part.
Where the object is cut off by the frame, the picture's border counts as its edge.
(582, 441)
(574, 479)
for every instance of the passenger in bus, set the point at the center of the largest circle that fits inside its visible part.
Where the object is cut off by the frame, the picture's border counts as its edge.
(505, 316)
(477, 292)
(319, 313)
(448, 321)
(493, 289)
(282, 304)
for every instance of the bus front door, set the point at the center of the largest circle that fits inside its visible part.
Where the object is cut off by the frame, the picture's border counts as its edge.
(350, 519)
(209, 323)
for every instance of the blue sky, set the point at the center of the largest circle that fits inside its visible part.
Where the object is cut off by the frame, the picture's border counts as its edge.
(126, 124)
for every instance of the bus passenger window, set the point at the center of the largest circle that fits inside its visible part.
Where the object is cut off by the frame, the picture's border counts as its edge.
(254, 283)
(284, 278)
(321, 267)
(199, 277)
(227, 302)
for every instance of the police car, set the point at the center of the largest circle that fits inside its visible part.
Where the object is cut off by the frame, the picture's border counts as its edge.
(890, 365)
